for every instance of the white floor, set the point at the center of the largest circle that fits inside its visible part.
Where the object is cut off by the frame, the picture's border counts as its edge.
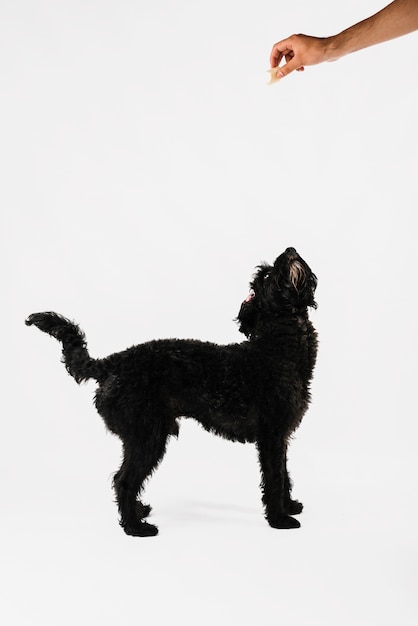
(65, 559)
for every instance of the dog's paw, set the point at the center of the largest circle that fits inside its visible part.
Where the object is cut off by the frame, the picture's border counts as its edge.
(141, 530)
(284, 522)
(143, 510)
(295, 507)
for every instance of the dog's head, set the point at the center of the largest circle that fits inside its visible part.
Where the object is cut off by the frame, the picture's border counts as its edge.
(287, 287)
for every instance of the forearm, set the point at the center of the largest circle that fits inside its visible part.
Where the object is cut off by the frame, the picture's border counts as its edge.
(398, 18)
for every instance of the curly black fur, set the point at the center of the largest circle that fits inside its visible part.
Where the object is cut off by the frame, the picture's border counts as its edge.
(256, 391)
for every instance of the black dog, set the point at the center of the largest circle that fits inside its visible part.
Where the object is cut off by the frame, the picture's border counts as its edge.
(256, 391)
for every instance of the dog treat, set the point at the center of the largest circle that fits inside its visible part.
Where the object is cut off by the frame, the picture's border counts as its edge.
(273, 75)
(256, 391)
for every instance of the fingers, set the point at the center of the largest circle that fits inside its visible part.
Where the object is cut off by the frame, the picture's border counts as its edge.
(284, 70)
(280, 50)
(290, 66)
(285, 49)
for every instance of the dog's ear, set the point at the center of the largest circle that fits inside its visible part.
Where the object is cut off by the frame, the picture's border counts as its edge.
(247, 317)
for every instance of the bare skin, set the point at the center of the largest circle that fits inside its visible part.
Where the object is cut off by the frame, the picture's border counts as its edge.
(397, 19)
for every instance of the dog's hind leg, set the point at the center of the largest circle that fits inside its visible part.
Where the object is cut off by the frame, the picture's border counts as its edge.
(138, 463)
(275, 482)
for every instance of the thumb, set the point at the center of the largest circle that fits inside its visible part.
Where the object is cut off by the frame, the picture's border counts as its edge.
(290, 66)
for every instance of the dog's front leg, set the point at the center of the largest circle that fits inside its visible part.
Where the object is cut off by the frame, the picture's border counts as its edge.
(275, 481)
(294, 507)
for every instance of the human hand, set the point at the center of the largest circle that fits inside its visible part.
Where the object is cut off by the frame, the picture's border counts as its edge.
(298, 51)
(398, 18)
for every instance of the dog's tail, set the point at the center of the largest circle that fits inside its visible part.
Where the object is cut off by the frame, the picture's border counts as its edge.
(74, 348)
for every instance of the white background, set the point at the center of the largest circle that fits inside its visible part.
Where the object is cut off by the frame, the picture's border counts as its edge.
(146, 169)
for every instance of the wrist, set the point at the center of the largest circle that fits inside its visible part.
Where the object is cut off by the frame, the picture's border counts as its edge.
(334, 47)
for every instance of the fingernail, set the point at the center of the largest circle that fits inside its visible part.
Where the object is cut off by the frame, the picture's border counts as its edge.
(279, 74)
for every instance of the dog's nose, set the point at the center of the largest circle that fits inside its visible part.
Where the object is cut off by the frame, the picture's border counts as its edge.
(291, 252)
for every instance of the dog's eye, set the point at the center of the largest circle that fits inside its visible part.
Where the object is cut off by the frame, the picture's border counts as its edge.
(266, 276)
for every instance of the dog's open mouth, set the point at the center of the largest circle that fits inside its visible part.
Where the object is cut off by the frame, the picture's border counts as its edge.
(297, 273)
(250, 296)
